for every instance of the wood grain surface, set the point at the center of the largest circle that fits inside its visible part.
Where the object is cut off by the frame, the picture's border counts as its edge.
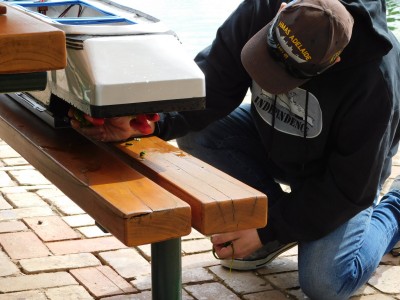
(129, 205)
(28, 44)
(219, 202)
(134, 189)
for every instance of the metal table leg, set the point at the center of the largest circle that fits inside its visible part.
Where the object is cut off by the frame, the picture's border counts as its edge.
(166, 270)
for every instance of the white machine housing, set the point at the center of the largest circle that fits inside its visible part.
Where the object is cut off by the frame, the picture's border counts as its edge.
(120, 61)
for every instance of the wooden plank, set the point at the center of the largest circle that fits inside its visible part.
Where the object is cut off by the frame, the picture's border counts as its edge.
(28, 44)
(129, 205)
(219, 202)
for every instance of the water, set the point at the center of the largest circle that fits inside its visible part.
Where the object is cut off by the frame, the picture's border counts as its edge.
(393, 8)
(196, 21)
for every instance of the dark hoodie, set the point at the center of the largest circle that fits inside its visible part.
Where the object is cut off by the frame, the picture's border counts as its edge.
(332, 138)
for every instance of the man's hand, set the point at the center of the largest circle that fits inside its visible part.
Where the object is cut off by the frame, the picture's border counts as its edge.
(143, 123)
(236, 244)
(113, 129)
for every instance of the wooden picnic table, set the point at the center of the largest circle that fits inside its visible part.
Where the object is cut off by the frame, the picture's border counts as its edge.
(153, 199)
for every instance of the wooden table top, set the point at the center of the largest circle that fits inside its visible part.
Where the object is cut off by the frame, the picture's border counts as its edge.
(28, 44)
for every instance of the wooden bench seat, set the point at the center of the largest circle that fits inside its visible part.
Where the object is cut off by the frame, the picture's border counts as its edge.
(137, 209)
(219, 202)
(111, 182)
(129, 205)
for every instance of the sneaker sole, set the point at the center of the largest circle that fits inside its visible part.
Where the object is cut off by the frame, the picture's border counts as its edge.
(246, 265)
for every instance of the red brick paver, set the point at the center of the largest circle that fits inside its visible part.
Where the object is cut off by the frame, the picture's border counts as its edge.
(87, 245)
(102, 281)
(12, 226)
(38, 281)
(51, 228)
(21, 245)
(55, 252)
(58, 263)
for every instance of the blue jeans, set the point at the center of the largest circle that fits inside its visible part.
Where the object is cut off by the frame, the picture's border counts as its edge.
(333, 267)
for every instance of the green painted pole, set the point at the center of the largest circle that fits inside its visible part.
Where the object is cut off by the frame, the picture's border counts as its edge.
(166, 270)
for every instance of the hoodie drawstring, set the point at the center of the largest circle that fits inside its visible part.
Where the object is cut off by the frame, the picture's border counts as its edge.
(273, 125)
(271, 141)
(305, 131)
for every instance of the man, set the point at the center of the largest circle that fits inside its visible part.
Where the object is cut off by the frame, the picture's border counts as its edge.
(324, 77)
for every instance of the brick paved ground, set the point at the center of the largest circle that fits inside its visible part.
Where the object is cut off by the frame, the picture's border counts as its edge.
(51, 249)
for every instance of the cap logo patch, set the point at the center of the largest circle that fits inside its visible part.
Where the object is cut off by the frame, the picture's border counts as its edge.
(292, 41)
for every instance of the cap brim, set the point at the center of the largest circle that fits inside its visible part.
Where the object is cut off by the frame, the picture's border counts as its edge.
(270, 75)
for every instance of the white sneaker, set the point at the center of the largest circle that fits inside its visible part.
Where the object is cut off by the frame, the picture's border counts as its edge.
(396, 250)
(259, 258)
